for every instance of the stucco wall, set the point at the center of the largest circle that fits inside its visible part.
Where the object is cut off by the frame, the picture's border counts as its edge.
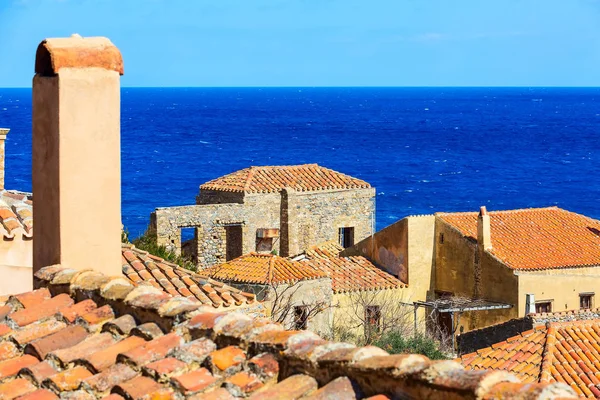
(16, 261)
(562, 286)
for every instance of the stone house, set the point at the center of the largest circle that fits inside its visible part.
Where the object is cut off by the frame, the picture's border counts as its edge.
(87, 332)
(550, 254)
(320, 292)
(280, 209)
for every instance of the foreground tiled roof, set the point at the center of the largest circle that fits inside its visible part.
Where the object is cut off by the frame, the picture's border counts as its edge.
(351, 274)
(142, 267)
(262, 269)
(83, 335)
(536, 238)
(16, 214)
(567, 352)
(271, 179)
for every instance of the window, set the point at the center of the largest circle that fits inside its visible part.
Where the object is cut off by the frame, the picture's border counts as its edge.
(373, 317)
(300, 317)
(441, 238)
(187, 233)
(233, 241)
(586, 300)
(347, 237)
(543, 307)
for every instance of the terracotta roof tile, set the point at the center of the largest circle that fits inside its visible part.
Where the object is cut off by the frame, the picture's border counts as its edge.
(263, 269)
(350, 274)
(558, 352)
(272, 179)
(195, 354)
(141, 267)
(15, 214)
(536, 238)
(327, 249)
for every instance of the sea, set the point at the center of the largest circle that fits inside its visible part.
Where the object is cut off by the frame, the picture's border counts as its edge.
(425, 150)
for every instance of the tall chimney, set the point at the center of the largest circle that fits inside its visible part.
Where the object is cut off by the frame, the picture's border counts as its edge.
(484, 236)
(529, 303)
(76, 154)
(3, 133)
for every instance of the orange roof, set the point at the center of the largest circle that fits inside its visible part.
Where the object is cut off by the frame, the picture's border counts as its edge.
(272, 179)
(16, 216)
(350, 274)
(142, 267)
(263, 269)
(536, 238)
(327, 249)
(567, 352)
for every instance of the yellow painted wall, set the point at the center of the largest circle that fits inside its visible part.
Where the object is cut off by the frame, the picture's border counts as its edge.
(348, 311)
(560, 285)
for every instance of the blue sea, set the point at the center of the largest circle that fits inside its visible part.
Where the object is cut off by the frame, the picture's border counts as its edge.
(424, 149)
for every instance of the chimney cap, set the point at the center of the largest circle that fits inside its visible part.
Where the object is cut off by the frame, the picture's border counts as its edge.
(482, 211)
(77, 52)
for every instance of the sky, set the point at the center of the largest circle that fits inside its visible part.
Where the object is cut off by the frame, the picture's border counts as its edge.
(319, 42)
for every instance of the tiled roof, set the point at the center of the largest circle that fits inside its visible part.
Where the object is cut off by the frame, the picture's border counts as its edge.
(271, 179)
(141, 267)
(16, 214)
(262, 269)
(536, 238)
(327, 249)
(351, 274)
(84, 335)
(567, 352)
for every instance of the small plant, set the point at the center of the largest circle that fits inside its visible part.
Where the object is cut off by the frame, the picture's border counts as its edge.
(395, 343)
(147, 242)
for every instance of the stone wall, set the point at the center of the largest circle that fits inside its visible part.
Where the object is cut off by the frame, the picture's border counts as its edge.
(481, 338)
(303, 219)
(316, 217)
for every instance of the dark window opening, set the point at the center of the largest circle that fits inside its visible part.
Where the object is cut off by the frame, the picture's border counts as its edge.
(187, 234)
(264, 245)
(441, 238)
(233, 242)
(300, 317)
(373, 318)
(586, 300)
(543, 307)
(347, 237)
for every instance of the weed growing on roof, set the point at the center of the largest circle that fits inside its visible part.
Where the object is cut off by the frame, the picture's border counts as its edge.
(147, 242)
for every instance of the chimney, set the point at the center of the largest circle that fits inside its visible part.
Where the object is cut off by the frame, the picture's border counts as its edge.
(3, 133)
(76, 154)
(484, 236)
(529, 303)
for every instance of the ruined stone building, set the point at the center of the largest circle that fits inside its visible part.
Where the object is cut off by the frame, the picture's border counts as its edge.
(280, 209)
(89, 332)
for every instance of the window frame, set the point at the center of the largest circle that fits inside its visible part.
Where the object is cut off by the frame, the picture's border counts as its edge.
(541, 303)
(345, 236)
(590, 296)
(301, 317)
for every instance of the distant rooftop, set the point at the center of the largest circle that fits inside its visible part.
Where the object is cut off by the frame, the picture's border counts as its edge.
(536, 238)
(272, 179)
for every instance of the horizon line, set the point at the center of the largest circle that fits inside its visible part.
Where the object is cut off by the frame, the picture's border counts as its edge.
(350, 87)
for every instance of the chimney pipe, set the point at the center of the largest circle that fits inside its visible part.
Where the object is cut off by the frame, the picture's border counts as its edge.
(76, 170)
(484, 235)
(3, 133)
(529, 304)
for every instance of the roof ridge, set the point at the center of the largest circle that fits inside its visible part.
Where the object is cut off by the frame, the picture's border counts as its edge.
(548, 355)
(513, 210)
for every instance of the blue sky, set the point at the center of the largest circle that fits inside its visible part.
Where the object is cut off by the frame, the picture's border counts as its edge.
(320, 42)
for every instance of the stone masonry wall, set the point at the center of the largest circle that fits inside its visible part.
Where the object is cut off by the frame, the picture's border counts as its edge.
(481, 338)
(315, 217)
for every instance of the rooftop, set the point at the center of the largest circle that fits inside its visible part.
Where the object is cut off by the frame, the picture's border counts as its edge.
(83, 335)
(354, 274)
(272, 179)
(327, 249)
(263, 269)
(16, 214)
(536, 238)
(142, 268)
(566, 352)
